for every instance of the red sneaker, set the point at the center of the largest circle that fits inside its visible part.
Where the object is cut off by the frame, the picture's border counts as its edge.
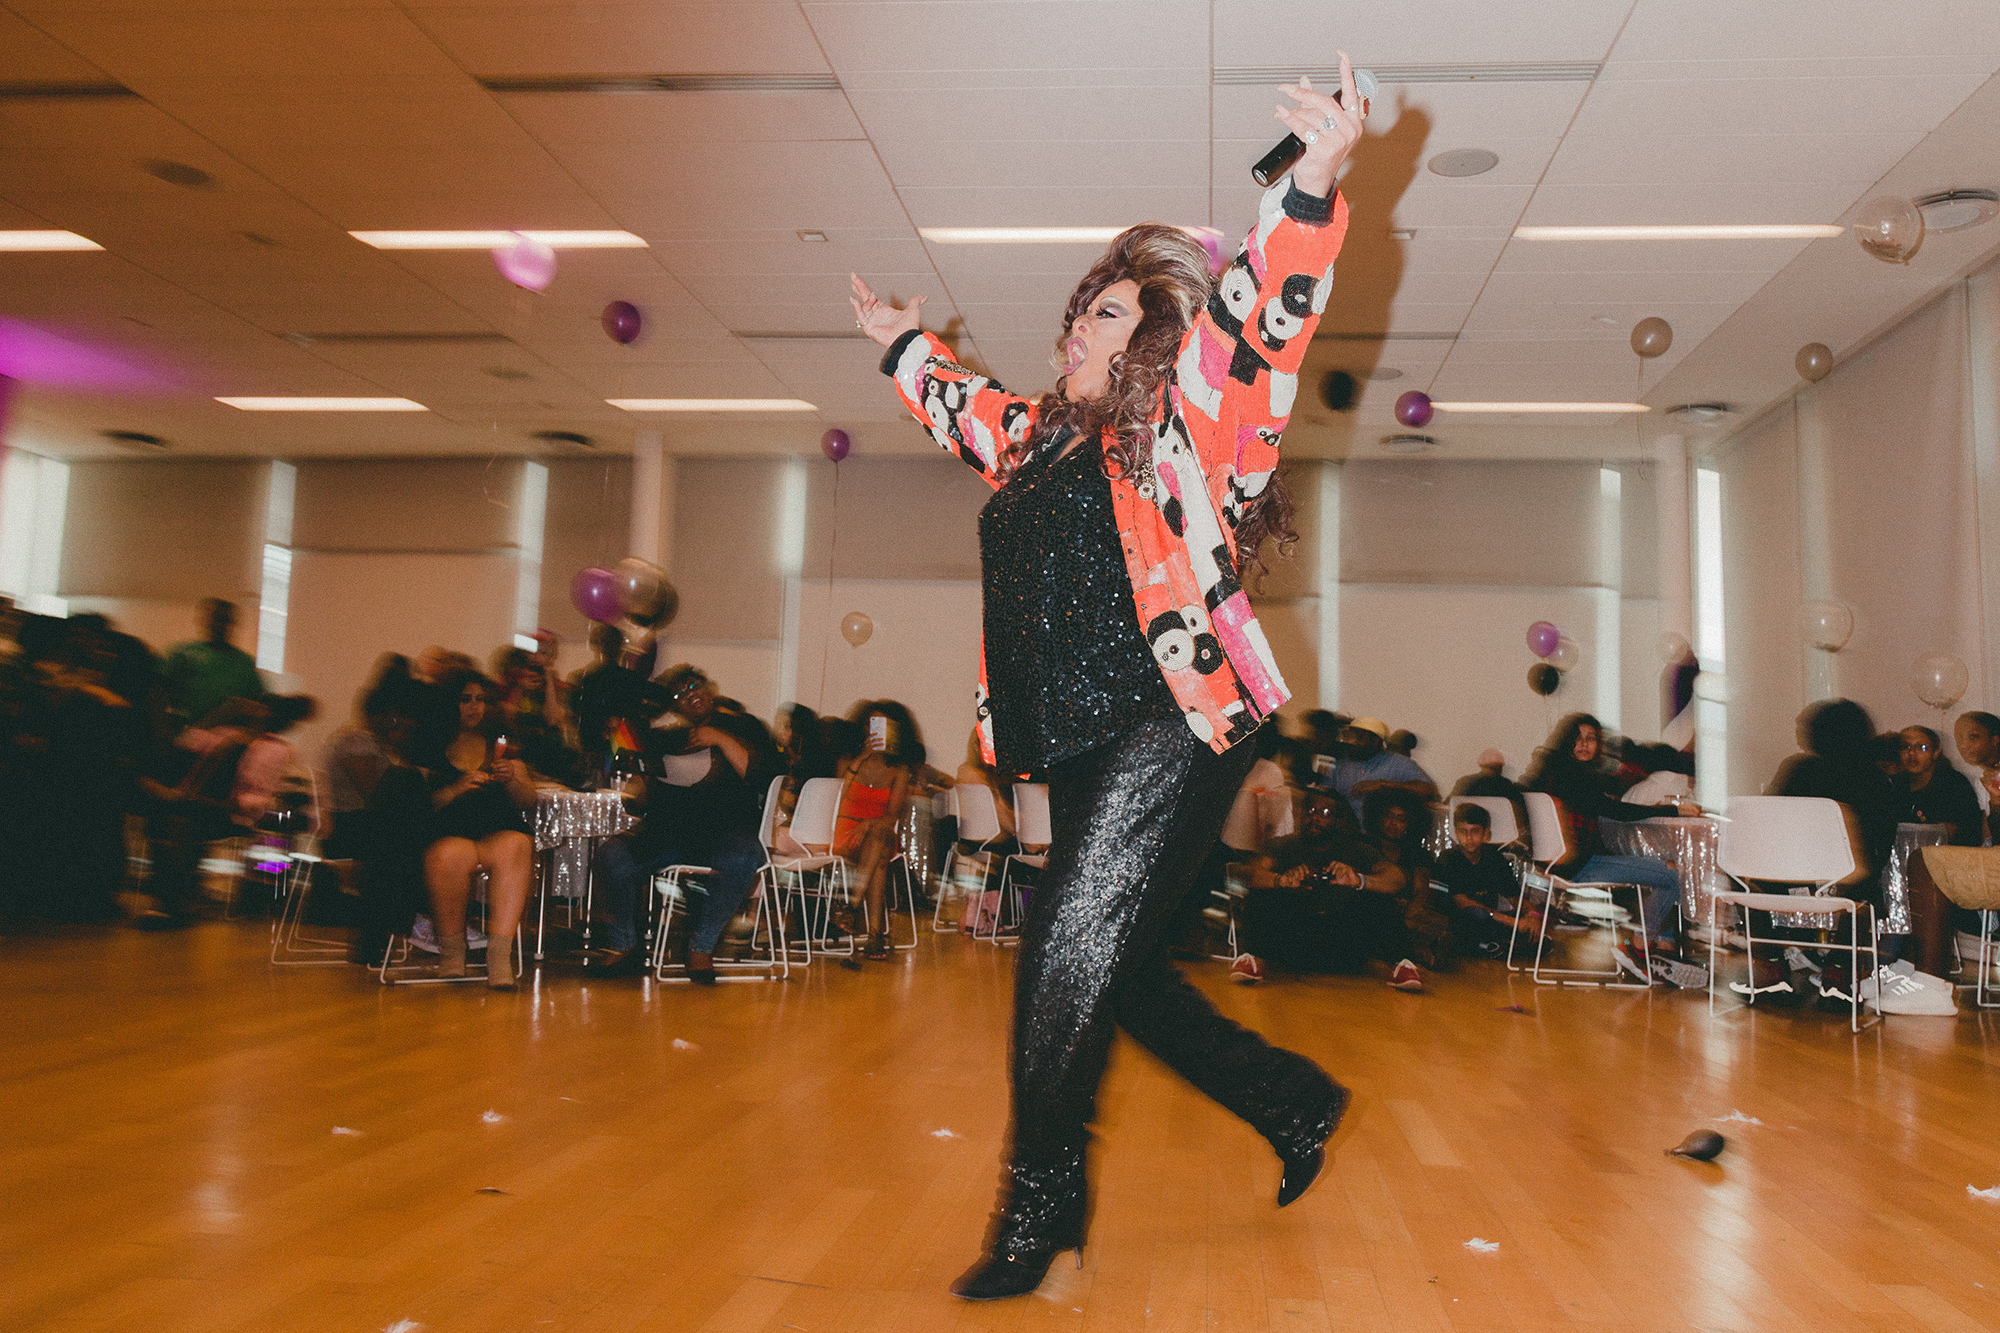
(1404, 976)
(1246, 970)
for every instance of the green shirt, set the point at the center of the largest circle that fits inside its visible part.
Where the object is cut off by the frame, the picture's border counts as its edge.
(201, 677)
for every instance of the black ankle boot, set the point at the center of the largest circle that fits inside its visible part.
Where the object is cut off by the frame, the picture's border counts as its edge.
(1042, 1214)
(1302, 1149)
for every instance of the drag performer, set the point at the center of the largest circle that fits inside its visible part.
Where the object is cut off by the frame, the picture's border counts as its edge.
(1122, 657)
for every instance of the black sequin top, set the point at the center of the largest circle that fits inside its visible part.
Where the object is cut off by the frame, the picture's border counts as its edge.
(1067, 667)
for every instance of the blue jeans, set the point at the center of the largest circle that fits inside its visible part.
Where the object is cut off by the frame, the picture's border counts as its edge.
(1650, 871)
(622, 882)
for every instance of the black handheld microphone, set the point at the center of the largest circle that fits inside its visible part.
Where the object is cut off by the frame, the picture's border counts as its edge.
(1291, 148)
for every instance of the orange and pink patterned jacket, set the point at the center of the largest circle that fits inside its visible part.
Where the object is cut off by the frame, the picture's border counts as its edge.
(1215, 445)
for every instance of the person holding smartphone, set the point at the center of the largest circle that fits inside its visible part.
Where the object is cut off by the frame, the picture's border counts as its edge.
(1123, 658)
(480, 795)
(879, 783)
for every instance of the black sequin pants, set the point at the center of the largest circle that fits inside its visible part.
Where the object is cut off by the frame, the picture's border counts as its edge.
(1131, 822)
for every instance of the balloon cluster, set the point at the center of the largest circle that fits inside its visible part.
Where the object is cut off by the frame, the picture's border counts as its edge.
(1558, 652)
(637, 592)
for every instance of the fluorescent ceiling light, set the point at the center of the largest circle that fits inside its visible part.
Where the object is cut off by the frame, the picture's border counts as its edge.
(493, 240)
(1541, 407)
(46, 240)
(1731, 231)
(712, 404)
(324, 404)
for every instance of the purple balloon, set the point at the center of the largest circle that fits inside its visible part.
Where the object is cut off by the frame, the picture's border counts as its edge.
(594, 592)
(1543, 638)
(835, 444)
(526, 263)
(1414, 408)
(622, 322)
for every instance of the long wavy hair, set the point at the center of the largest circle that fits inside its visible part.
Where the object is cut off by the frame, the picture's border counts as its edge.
(1171, 270)
(1557, 759)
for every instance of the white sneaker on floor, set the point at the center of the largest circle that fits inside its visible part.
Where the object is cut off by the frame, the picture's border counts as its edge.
(1404, 976)
(1630, 964)
(423, 935)
(1246, 970)
(1680, 975)
(1900, 989)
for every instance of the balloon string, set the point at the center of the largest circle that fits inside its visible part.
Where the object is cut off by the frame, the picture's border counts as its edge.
(832, 545)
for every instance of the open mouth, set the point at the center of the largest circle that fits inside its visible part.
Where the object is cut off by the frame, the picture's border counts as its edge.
(1074, 351)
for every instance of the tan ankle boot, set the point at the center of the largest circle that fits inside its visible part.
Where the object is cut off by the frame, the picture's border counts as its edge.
(500, 962)
(451, 955)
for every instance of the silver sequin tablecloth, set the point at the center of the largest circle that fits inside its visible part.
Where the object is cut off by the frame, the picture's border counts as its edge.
(1688, 845)
(1896, 874)
(566, 824)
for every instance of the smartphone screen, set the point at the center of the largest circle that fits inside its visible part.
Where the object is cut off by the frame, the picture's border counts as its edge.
(878, 732)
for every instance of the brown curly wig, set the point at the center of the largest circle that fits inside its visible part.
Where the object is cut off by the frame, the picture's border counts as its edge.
(1171, 270)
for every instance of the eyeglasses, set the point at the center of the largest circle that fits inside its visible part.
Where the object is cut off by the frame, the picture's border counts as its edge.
(1920, 747)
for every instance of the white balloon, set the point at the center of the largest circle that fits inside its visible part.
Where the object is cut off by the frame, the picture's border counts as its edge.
(1828, 625)
(1940, 680)
(1566, 655)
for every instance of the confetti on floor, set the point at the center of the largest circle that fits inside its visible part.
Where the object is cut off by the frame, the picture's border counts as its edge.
(1738, 1118)
(494, 1118)
(943, 1134)
(343, 1132)
(681, 1045)
(489, 1189)
(1478, 1246)
(404, 1326)
(1993, 1193)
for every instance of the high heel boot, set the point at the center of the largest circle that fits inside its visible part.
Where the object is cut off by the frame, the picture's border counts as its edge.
(1301, 1145)
(451, 954)
(500, 962)
(1044, 1214)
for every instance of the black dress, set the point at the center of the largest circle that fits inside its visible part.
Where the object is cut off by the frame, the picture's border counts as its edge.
(476, 814)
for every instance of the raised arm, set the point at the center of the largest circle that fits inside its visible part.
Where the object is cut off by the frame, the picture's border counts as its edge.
(1238, 372)
(968, 414)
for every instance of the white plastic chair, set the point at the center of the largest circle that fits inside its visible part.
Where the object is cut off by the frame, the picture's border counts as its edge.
(978, 822)
(1031, 829)
(1791, 840)
(813, 819)
(1549, 847)
(671, 883)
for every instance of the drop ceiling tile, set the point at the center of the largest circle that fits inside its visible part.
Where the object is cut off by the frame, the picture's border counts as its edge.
(934, 36)
(1278, 33)
(1416, 121)
(1710, 97)
(315, 46)
(1692, 202)
(1054, 206)
(1048, 292)
(1612, 293)
(1499, 313)
(705, 188)
(627, 38)
(750, 380)
(1089, 111)
(818, 358)
(777, 254)
(1756, 257)
(1833, 30)
(1848, 160)
(350, 120)
(942, 161)
(28, 55)
(563, 120)
(825, 291)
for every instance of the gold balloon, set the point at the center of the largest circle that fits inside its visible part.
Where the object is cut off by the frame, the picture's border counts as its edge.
(1652, 336)
(1815, 362)
(856, 627)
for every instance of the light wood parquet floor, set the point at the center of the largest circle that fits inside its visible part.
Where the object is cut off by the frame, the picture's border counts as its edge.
(821, 1156)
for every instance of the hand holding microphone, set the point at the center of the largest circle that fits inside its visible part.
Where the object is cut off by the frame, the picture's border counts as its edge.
(1318, 117)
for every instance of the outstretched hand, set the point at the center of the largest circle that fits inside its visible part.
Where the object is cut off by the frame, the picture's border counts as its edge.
(1330, 129)
(880, 320)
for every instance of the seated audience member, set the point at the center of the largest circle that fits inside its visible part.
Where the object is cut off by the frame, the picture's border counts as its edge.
(1326, 900)
(1260, 814)
(879, 783)
(1490, 779)
(1838, 761)
(1978, 739)
(1403, 742)
(199, 808)
(802, 748)
(533, 714)
(1888, 751)
(1480, 885)
(356, 754)
(76, 838)
(712, 823)
(1569, 768)
(269, 758)
(1367, 767)
(1930, 792)
(479, 798)
(1400, 825)
(380, 809)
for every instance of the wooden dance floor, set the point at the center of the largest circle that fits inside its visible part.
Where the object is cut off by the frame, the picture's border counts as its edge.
(196, 1140)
